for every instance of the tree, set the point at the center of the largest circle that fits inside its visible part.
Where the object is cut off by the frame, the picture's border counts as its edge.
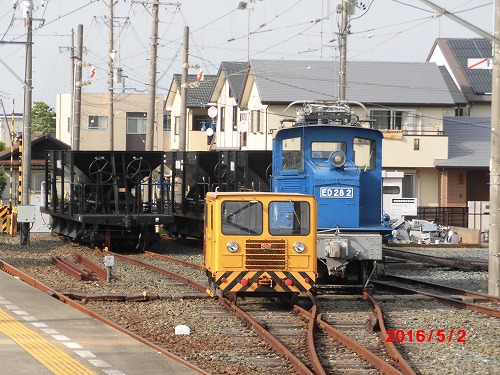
(43, 118)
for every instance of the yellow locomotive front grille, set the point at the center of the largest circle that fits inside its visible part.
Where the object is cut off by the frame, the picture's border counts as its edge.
(265, 254)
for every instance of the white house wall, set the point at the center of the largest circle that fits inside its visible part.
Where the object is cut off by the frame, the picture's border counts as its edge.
(227, 139)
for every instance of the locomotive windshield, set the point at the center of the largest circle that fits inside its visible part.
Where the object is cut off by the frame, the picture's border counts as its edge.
(289, 218)
(322, 150)
(364, 153)
(292, 158)
(242, 217)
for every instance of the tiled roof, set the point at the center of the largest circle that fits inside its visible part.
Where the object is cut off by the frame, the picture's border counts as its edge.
(236, 74)
(468, 142)
(197, 97)
(475, 84)
(400, 83)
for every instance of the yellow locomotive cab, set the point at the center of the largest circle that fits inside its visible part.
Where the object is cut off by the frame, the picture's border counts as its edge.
(260, 243)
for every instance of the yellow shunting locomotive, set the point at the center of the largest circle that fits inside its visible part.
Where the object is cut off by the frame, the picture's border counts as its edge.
(260, 243)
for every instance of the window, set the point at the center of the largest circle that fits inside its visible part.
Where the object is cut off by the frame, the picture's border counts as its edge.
(256, 122)
(222, 119)
(167, 122)
(364, 151)
(69, 124)
(201, 122)
(235, 118)
(391, 190)
(292, 155)
(136, 123)
(98, 122)
(244, 121)
(177, 121)
(391, 119)
(408, 186)
(289, 218)
(242, 217)
(322, 150)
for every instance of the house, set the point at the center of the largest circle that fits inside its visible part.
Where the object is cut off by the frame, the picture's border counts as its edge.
(226, 97)
(407, 101)
(129, 121)
(11, 161)
(10, 124)
(197, 118)
(474, 82)
(464, 175)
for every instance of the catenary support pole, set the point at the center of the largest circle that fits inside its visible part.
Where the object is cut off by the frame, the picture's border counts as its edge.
(152, 78)
(26, 156)
(494, 235)
(77, 84)
(183, 117)
(110, 78)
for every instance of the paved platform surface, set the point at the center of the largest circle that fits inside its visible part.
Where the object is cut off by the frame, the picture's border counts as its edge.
(41, 335)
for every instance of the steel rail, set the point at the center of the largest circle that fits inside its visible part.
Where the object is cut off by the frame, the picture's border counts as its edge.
(446, 262)
(40, 286)
(391, 348)
(277, 346)
(174, 260)
(99, 271)
(444, 288)
(311, 348)
(193, 284)
(449, 301)
(71, 268)
(357, 348)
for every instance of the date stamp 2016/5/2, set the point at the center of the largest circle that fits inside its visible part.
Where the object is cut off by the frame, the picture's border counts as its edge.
(421, 335)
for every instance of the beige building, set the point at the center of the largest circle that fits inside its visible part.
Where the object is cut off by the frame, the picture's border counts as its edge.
(129, 122)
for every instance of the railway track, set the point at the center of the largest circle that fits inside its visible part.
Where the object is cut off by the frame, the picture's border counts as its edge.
(219, 341)
(481, 303)
(459, 264)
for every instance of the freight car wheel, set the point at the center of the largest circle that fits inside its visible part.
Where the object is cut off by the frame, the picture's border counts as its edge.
(100, 170)
(137, 170)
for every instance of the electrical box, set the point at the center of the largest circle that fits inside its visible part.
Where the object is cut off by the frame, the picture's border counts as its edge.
(26, 214)
(109, 260)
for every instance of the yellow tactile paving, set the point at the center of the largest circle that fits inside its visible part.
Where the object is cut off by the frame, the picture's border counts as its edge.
(49, 355)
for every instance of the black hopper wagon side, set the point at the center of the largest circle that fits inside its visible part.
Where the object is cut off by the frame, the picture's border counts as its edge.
(106, 198)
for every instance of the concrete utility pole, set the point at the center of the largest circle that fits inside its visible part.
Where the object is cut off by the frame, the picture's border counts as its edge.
(26, 155)
(185, 67)
(110, 78)
(152, 78)
(342, 8)
(494, 234)
(72, 75)
(494, 247)
(77, 84)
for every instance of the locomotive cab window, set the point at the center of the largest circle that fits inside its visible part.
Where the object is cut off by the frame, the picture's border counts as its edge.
(289, 218)
(364, 153)
(292, 155)
(322, 150)
(242, 217)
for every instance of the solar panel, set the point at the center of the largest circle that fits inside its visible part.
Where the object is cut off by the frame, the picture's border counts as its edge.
(464, 49)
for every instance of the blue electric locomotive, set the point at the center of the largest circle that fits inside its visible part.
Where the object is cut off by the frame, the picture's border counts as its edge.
(324, 155)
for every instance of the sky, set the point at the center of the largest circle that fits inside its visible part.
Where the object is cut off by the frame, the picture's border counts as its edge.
(380, 30)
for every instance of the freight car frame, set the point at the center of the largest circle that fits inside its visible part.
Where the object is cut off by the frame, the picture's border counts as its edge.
(105, 197)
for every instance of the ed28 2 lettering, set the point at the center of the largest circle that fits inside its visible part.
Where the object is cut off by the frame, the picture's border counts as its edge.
(421, 335)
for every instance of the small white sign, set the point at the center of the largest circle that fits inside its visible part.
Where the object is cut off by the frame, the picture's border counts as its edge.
(483, 63)
(404, 206)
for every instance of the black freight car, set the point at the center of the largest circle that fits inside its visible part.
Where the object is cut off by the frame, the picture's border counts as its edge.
(118, 198)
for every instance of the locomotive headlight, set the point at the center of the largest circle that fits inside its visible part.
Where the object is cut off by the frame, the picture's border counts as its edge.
(337, 158)
(232, 246)
(299, 247)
